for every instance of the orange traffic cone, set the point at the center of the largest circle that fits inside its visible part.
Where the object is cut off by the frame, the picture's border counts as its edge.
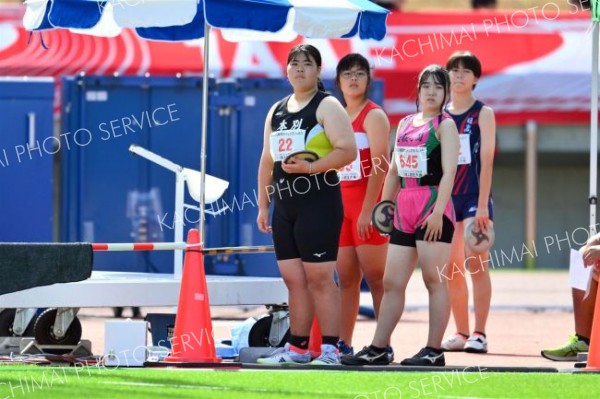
(315, 340)
(193, 340)
(593, 359)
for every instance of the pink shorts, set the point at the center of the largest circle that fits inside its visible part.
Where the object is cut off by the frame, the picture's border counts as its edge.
(413, 206)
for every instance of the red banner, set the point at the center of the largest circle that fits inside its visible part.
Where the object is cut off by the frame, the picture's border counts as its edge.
(536, 63)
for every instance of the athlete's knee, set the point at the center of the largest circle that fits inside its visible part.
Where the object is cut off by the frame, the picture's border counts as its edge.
(374, 278)
(349, 280)
(375, 285)
(483, 262)
(432, 280)
(434, 284)
(319, 282)
(453, 272)
(295, 284)
(394, 284)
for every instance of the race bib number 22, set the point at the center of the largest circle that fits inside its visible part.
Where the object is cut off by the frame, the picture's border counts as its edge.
(286, 142)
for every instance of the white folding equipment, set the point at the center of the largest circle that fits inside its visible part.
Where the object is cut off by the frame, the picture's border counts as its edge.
(215, 188)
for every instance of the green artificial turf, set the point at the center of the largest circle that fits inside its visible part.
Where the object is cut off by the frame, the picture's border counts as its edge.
(92, 382)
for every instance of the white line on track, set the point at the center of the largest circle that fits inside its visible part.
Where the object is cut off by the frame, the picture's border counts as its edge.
(463, 397)
(205, 387)
(222, 388)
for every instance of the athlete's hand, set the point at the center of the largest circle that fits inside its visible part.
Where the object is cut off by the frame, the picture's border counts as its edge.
(296, 165)
(591, 255)
(364, 226)
(433, 226)
(482, 219)
(263, 221)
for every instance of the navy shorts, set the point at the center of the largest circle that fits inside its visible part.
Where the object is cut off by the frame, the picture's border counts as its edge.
(465, 206)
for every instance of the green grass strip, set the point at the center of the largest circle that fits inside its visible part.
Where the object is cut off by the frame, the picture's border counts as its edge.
(92, 382)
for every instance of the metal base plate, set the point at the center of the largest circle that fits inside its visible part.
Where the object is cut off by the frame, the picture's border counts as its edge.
(29, 346)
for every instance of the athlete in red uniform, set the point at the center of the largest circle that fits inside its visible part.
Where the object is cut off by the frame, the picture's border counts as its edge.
(362, 250)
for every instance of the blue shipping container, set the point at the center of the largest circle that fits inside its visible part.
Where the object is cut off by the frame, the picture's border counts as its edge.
(27, 153)
(110, 196)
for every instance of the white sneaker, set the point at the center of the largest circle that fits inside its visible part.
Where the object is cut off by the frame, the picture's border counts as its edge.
(285, 356)
(329, 356)
(476, 343)
(454, 343)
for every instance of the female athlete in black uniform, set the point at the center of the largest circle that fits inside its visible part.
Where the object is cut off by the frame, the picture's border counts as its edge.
(307, 212)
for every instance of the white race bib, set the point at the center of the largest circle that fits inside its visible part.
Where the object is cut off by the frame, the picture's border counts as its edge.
(285, 142)
(411, 161)
(464, 156)
(351, 171)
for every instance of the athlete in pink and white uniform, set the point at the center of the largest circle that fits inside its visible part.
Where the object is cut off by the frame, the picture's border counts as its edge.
(420, 180)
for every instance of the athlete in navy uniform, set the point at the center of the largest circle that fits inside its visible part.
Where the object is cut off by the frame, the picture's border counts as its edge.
(472, 200)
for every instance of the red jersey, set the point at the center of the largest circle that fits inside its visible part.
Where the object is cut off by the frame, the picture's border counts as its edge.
(359, 170)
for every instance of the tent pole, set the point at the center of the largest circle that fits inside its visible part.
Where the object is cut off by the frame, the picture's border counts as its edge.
(594, 131)
(531, 179)
(205, 84)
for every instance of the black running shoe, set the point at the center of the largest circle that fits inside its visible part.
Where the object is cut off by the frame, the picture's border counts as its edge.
(426, 357)
(367, 356)
(390, 353)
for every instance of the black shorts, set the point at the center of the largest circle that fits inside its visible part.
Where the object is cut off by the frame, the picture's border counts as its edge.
(307, 223)
(410, 239)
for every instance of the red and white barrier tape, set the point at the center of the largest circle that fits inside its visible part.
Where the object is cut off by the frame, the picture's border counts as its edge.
(140, 246)
(172, 246)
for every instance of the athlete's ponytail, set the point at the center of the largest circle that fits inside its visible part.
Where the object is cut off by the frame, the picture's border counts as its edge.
(320, 85)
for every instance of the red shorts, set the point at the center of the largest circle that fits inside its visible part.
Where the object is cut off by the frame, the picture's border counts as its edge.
(353, 197)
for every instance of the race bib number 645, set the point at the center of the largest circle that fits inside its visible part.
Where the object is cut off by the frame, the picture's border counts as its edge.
(411, 161)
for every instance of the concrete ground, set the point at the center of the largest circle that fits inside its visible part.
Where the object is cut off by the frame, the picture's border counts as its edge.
(530, 311)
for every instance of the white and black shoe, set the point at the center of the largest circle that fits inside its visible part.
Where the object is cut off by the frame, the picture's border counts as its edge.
(390, 353)
(426, 357)
(455, 343)
(367, 356)
(476, 343)
(285, 355)
(330, 356)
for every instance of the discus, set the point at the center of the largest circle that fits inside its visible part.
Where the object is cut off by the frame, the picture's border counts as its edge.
(305, 155)
(383, 217)
(479, 241)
